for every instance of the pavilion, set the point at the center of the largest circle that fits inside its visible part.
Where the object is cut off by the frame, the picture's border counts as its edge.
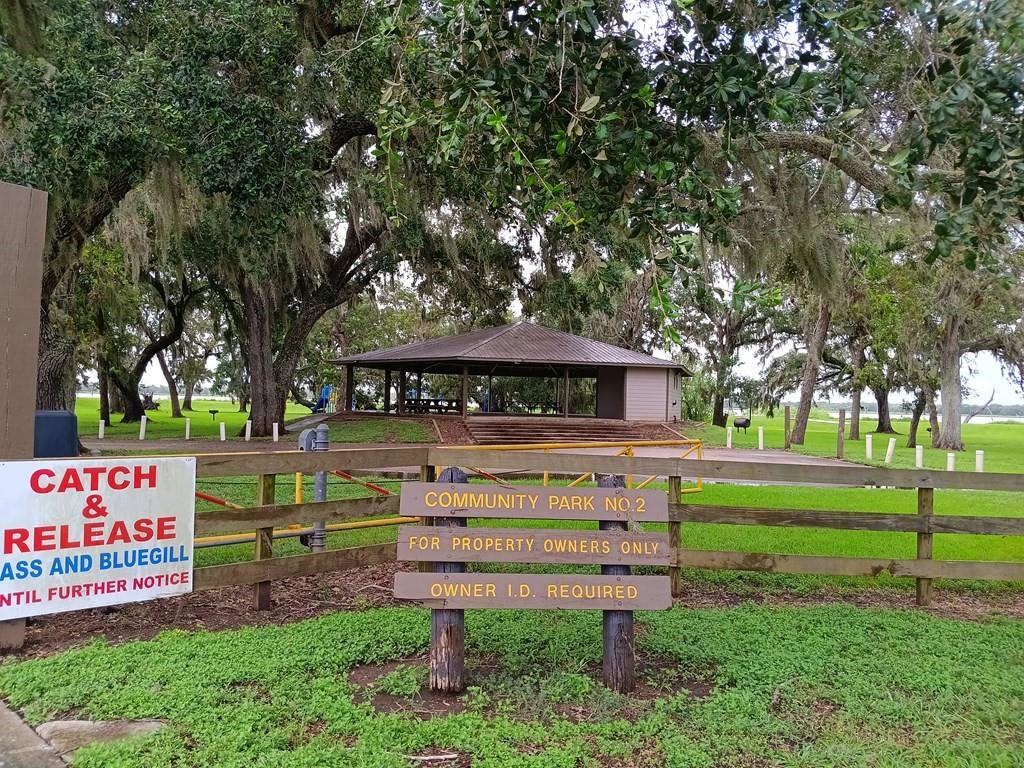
(629, 385)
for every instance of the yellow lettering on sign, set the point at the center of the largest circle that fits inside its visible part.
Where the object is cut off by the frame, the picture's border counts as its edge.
(475, 589)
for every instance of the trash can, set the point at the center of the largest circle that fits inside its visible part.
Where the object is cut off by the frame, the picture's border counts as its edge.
(56, 434)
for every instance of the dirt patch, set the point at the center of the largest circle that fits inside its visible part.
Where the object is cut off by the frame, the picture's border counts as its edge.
(659, 677)
(442, 758)
(675, 431)
(424, 703)
(216, 609)
(452, 431)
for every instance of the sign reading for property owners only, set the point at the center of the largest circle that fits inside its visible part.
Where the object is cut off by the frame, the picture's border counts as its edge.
(461, 500)
(87, 533)
(531, 545)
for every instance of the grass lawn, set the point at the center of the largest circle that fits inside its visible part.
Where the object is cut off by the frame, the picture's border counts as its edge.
(161, 425)
(813, 687)
(1003, 444)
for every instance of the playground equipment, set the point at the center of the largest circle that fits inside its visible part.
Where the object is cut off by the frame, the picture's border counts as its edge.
(325, 399)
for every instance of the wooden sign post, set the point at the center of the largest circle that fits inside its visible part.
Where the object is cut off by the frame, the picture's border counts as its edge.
(22, 231)
(448, 625)
(449, 544)
(618, 661)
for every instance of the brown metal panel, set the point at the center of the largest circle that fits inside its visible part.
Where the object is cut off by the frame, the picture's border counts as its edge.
(531, 545)
(22, 230)
(518, 502)
(535, 591)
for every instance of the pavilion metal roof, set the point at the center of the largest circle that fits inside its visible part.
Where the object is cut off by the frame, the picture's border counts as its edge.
(508, 348)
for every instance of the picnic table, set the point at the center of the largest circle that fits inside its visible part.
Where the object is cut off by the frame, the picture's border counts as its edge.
(439, 405)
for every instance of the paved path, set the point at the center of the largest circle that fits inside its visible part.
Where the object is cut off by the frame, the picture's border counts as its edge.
(21, 747)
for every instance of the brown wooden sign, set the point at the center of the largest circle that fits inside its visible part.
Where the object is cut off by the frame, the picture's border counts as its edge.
(465, 500)
(548, 591)
(531, 545)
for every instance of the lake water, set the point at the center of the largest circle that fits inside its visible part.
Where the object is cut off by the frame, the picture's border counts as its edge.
(975, 420)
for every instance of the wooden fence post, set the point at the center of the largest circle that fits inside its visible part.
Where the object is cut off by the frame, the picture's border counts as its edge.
(925, 508)
(264, 542)
(788, 432)
(619, 659)
(448, 625)
(675, 535)
(840, 434)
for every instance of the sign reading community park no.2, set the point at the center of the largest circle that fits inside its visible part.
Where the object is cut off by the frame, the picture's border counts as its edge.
(88, 533)
(533, 545)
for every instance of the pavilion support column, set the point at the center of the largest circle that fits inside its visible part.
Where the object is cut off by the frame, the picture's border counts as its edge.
(465, 390)
(350, 386)
(565, 394)
(387, 390)
(400, 405)
(419, 384)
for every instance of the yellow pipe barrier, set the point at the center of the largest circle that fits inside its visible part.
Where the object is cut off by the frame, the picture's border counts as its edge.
(298, 487)
(627, 450)
(243, 538)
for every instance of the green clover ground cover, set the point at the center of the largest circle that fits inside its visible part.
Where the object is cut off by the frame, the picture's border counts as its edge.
(828, 686)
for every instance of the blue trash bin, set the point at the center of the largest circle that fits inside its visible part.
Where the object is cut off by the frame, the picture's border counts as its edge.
(56, 434)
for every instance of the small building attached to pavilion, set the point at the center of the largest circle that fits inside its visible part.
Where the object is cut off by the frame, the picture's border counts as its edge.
(627, 385)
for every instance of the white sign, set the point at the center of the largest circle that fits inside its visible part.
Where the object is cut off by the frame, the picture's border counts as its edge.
(91, 532)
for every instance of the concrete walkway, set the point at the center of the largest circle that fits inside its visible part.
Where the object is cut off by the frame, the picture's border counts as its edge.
(21, 747)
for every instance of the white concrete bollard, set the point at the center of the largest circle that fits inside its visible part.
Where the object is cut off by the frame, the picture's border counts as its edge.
(103, 428)
(728, 437)
(248, 430)
(868, 454)
(979, 461)
(950, 461)
(890, 450)
(919, 457)
(276, 435)
(760, 438)
(142, 428)
(223, 432)
(188, 428)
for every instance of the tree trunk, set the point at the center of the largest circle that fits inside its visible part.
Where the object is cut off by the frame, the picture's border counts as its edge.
(718, 417)
(188, 388)
(116, 401)
(243, 402)
(172, 388)
(915, 419)
(884, 419)
(809, 379)
(267, 402)
(933, 416)
(55, 376)
(857, 360)
(104, 383)
(951, 392)
(128, 386)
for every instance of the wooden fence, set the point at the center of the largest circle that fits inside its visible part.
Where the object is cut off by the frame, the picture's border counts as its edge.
(267, 515)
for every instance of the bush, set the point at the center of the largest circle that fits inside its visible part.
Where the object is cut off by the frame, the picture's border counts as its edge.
(698, 396)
